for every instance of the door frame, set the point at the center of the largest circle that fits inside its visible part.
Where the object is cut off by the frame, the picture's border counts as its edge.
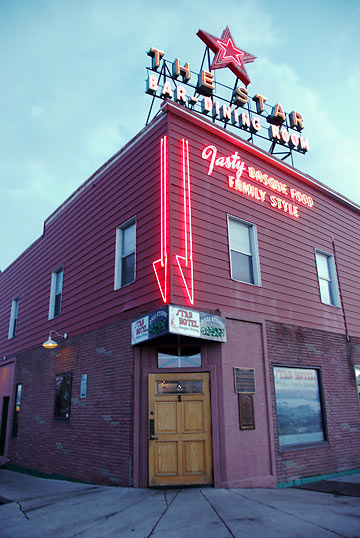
(145, 361)
(181, 437)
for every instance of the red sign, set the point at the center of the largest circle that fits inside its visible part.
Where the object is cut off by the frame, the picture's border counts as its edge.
(227, 55)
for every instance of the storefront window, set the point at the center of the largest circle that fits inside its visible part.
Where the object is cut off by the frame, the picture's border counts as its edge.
(298, 406)
(62, 396)
(179, 357)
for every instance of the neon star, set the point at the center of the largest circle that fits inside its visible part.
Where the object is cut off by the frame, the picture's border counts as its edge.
(230, 51)
(227, 54)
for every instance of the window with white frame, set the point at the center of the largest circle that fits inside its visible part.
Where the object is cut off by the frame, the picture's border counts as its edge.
(244, 256)
(14, 313)
(329, 293)
(56, 292)
(125, 254)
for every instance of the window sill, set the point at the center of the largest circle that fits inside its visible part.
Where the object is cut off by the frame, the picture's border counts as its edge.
(305, 445)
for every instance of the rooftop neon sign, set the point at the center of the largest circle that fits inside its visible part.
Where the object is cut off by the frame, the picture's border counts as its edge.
(240, 110)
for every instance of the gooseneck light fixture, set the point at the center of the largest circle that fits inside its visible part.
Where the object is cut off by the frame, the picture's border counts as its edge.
(50, 343)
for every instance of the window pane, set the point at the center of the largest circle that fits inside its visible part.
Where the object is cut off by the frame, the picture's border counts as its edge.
(57, 305)
(298, 406)
(239, 236)
(59, 282)
(128, 269)
(62, 396)
(16, 308)
(325, 291)
(176, 357)
(179, 387)
(13, 332)
(322, 263)
(241, 267)
(128, 244)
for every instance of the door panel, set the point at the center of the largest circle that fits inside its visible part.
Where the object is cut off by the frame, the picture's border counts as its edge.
(166, 417)
(166, 458)
(194, 457)
(180, 449)
(193, 416)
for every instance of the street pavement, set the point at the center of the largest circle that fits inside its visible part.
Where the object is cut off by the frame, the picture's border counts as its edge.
(34, 507)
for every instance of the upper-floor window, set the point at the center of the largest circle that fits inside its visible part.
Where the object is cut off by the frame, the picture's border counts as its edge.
(125, 254)
(244, 255)
(329, 292)
(56, 292)
(13, 317)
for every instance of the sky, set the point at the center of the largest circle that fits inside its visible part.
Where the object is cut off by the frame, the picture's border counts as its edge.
(72, 87)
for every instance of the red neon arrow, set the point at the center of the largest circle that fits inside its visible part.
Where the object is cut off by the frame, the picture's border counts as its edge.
(161, 265)
(185, 263)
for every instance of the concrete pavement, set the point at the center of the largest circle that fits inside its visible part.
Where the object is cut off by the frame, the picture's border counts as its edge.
(48, 508)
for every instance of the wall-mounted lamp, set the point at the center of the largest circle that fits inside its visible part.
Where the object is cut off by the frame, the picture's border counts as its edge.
(50, 343)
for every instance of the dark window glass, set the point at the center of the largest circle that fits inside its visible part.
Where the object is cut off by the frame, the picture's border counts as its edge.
(57, 305)
(62, 396)
(128, 269)
(16, 410)
(242, 267)
(59, 275)
(13, 332)
(298, 406)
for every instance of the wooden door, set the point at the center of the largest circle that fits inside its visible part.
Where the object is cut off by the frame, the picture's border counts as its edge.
(180, 450)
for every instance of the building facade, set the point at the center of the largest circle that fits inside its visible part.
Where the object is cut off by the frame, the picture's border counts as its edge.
(210, 296)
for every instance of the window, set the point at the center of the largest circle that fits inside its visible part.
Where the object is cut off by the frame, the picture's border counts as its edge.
(13, 317)
(16, 410)
(357, 377)
(56, 293)
(298, 406)
(244, 257)
(329, 292)
(125, 254)
(179, 357)
(62, 396)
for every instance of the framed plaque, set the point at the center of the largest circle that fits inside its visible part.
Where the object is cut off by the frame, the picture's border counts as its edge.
(244, 380)
(246, 411)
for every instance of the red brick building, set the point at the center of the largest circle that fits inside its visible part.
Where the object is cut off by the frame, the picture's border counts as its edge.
(210, 293)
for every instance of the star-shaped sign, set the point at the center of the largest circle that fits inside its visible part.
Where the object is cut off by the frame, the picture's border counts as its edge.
(227, 55)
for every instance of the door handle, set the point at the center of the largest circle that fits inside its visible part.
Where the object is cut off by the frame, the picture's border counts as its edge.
(152, 430)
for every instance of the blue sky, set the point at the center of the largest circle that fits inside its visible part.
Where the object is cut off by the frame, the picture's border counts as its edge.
(72, 70)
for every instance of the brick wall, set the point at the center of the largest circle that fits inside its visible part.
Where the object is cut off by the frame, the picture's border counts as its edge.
(95, 445)
(335, 356)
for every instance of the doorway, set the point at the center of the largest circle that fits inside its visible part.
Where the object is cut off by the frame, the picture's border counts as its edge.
(179, 428)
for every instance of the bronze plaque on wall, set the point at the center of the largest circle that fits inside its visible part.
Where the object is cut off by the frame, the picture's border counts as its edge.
(244, 380)
(246, 412)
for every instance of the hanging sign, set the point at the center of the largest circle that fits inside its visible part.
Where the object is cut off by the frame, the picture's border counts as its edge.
(179, 320)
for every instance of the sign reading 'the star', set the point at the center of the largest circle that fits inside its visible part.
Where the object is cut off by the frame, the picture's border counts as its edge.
(227, 54)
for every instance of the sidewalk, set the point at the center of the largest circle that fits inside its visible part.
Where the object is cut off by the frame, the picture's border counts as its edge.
(41, 508)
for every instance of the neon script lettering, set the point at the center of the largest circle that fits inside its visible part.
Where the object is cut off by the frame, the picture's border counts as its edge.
(233, 162)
